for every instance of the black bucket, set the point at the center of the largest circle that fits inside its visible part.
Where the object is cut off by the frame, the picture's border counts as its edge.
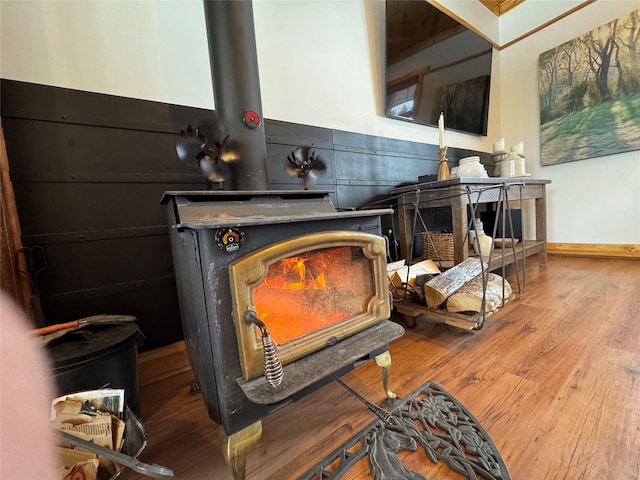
(101, 356)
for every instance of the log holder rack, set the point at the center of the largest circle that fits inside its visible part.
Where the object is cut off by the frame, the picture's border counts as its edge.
(411, 310)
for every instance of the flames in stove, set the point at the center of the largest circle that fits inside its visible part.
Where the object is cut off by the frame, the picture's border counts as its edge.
(296, 276)
(304, 293)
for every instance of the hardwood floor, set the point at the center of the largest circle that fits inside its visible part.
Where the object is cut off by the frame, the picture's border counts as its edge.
(553, 377)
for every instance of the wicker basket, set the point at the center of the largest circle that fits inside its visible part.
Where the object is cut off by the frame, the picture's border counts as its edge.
(438, 246)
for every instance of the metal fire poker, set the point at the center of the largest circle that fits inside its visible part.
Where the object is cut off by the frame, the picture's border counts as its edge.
(379, 412)
(150, 470)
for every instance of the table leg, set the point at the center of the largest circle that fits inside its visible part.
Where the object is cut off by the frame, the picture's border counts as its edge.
(405, 224)
(459, 221)
(541, 225)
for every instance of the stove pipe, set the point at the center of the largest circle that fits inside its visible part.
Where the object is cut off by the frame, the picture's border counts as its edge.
(236, 87)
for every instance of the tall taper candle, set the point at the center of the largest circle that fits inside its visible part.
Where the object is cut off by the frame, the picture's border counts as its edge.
(441, 129)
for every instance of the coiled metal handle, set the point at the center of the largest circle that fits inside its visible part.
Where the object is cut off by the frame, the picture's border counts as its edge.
(272, 366)
(273, 371)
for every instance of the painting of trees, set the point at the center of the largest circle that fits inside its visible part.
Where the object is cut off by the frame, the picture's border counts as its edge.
(589, 91)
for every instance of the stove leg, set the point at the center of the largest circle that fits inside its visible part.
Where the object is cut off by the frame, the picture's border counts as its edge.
(384, 360)
(236, 447)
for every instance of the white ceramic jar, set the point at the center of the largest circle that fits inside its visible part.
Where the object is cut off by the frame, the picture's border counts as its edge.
(471, 167)
(507, 168)
(483, 245)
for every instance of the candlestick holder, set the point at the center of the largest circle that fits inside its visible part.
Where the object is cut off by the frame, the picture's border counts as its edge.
(443, 168)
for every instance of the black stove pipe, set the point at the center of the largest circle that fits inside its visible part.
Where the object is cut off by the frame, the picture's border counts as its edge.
(236, 87)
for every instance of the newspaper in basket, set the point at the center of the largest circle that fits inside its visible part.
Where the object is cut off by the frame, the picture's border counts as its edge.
(100, 419)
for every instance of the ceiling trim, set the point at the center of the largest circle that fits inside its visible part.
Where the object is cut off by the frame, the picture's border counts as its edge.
(444, 9)
(545, 25)
(498, 7)
(517, 39)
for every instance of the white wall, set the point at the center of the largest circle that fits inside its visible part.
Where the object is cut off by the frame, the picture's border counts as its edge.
(589, 201)
(320, 63)
(152, 50)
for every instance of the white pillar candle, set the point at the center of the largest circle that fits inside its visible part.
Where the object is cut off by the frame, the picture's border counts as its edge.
(441, 130)
(518, 148)
(498, 146)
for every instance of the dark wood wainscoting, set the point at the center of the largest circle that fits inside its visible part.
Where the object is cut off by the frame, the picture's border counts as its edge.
(88, 171)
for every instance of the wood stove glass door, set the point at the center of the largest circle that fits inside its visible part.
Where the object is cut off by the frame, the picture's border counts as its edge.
(309, 291)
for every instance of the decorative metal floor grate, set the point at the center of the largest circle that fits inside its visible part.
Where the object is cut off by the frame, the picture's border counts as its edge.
(429, 418)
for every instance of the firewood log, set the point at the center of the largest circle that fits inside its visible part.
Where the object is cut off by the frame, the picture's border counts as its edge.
(409, 275)
(439, 288)
(469, 297)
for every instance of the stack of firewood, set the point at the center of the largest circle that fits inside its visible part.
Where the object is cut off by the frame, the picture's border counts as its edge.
(462, 288)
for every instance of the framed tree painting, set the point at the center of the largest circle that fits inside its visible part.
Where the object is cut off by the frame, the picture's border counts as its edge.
(589, 91)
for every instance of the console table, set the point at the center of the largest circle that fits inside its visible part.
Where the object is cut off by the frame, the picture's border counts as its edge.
(459, 194)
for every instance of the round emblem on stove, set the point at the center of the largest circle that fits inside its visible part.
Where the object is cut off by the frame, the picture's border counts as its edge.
(251, 119)
(229, 239)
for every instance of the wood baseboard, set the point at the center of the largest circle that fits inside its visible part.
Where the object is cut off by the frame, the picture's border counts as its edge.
(628, 251)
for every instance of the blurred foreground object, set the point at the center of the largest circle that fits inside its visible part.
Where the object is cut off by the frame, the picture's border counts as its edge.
(25, 396)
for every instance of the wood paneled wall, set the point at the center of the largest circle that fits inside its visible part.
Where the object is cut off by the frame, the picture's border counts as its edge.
(88, 172)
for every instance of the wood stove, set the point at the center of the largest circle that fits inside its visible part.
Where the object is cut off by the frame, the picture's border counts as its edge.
(313, 276)
(279, 292)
